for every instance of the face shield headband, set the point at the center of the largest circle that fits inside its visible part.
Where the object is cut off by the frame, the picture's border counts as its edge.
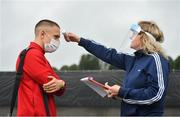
(135, 29)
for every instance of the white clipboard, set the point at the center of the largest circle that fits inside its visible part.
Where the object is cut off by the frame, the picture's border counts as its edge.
(96, 86)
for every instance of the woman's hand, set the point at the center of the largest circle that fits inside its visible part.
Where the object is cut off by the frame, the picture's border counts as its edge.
(71, 37)
(53, 85)
(112, 90)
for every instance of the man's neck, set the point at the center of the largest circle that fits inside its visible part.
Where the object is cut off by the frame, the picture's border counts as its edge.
(37, 41)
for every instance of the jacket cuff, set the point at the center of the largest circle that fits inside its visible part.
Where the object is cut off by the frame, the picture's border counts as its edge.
(122, 92)
(82, 42)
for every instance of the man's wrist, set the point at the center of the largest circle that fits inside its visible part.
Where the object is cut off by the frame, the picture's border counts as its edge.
(62, 84)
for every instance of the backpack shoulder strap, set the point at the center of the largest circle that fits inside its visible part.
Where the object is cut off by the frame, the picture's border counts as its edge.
(17, 79)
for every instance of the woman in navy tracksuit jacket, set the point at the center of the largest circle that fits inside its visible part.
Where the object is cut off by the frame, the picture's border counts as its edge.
(145, 84)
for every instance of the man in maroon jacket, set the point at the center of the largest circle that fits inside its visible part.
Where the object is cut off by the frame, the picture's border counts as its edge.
(38, 75)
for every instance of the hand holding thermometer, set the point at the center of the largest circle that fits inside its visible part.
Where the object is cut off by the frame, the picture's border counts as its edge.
(65, 35)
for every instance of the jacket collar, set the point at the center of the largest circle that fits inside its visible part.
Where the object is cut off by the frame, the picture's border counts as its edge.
(139, 53)
(35, 45)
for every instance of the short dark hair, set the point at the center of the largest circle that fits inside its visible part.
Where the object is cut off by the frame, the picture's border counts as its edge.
(45, 22)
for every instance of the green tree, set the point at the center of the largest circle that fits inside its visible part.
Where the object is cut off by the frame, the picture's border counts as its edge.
(171, 62)
(111, 67)
(103, 65)
(89, 62)
(74, 67)
(64, 68)
(55, 69)
(177, 63)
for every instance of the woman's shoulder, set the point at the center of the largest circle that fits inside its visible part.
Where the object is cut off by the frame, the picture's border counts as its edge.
(158, 60)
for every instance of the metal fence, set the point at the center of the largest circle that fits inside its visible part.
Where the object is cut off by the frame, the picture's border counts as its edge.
(79, 98)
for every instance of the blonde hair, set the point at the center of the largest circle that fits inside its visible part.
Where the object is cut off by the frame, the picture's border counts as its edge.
(151, 46)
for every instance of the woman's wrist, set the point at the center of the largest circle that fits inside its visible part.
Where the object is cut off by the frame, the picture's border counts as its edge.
(78, 39)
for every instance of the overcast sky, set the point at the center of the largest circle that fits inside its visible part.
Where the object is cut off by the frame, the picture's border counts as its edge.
(105, 21)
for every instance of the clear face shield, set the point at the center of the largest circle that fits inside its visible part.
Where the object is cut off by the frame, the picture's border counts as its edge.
(125, 46)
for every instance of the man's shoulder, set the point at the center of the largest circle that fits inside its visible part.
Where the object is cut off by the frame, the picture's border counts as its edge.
(34, 54)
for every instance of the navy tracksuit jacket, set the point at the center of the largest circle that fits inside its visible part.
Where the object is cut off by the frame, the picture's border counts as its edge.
(146, 79)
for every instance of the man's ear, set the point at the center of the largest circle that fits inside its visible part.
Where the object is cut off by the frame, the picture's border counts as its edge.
(42, 33)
